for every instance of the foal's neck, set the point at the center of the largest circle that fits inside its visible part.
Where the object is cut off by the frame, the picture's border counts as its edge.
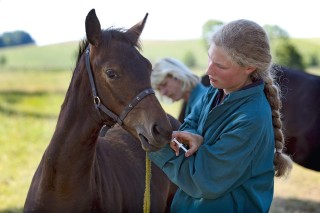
(72, 147)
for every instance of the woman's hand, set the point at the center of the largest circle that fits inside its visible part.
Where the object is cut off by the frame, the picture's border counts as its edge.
(190, 139)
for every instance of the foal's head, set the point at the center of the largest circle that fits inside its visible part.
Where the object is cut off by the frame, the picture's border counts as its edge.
(120, 73)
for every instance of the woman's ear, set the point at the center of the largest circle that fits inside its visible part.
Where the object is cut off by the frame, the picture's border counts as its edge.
(250, 70)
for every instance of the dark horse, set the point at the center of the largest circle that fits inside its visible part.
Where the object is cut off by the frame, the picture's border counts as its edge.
(301, 114)
(81, 172)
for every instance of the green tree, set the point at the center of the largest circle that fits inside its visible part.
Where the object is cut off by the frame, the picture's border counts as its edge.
(314, 61)
(15, 38)
(189, 59)
(283, 51)
(3, 60)
(286, 54)
(275, 32)
(208, 30)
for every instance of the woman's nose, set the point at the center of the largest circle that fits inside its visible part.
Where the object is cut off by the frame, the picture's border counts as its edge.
(210, 69)
(163, 91)
(207, 71)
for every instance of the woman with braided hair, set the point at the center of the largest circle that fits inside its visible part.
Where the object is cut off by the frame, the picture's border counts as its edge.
(234, 133)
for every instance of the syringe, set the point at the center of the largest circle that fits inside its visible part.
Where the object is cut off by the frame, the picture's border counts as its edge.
(179, 144)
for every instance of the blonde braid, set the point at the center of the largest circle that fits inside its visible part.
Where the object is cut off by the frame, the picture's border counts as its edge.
(282, 162)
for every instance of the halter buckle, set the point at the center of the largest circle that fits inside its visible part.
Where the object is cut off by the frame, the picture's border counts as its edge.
(96, 101)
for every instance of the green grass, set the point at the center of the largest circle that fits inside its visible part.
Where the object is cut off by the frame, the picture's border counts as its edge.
(29, 106)
(51, 57)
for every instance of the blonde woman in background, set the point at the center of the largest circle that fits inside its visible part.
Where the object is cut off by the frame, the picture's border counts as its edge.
(172, 79)
(234, 133)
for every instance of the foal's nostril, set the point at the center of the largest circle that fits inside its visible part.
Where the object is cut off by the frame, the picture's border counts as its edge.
(155, 130)
(160, 134)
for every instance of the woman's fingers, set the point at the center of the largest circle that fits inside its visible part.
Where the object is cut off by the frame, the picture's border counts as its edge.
(190, 151)
(181, 135)
(192, 140)
(175, 148)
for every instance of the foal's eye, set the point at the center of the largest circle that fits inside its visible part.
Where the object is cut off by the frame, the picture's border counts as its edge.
(111, 74)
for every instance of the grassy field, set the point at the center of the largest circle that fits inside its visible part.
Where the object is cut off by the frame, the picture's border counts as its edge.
(32, 87)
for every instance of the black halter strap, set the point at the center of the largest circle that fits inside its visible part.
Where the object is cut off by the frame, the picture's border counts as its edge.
(97, 102)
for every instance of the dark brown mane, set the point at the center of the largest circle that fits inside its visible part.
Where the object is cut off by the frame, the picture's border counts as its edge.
(120, 35)
(83, 44)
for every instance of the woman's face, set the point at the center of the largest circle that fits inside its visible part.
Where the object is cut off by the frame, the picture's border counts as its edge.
(224, 74)
(171, 87)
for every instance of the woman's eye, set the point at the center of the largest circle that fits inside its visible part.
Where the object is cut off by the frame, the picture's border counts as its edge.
(221, 67)
(111, 74)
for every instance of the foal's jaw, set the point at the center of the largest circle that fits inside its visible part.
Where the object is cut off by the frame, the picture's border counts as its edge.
(146, 146)
(154, 141)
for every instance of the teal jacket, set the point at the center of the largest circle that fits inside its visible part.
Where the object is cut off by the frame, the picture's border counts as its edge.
(232, 171)
(195, 95)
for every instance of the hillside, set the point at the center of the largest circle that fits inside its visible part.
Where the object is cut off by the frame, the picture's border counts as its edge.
(51, 57)
(62, 56)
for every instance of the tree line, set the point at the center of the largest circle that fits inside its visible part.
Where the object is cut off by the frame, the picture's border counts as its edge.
(16, 38)
(283, 50)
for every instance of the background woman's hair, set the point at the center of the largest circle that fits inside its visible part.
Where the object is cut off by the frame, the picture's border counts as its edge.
(176, 69)
(247, 44)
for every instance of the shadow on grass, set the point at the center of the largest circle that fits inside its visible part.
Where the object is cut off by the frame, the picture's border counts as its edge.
(12, 97)
(11, 112)
(293, 205)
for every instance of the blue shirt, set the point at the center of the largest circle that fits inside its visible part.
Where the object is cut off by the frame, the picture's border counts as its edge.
(232, 171)
(194, 96)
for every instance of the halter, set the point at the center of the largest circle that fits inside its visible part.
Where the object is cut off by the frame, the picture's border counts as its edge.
(97, 102)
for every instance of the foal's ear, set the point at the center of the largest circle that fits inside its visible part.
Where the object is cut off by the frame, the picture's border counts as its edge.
(135, 31)
(93, 28)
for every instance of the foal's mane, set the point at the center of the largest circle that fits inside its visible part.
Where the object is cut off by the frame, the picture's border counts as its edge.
(109, 34)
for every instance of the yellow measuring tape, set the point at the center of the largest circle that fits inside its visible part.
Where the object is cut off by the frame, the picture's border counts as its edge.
(147, 192)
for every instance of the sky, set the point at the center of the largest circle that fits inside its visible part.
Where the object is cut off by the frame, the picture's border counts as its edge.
(50, 22)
